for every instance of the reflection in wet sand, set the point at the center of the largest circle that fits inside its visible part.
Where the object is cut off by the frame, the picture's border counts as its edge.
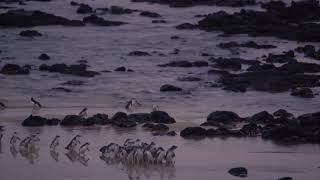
(136, 171)
(31, 153)
(55, 155)
(13, 151)
(74, 156)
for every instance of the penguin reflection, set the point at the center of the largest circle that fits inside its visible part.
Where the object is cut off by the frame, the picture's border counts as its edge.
(55, 155)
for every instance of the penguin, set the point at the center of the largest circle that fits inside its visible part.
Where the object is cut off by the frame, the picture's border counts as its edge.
(170, 155)
(83, 112)
(73, 143)
(147, 157)
(155, 108)
(131, 104)
(84, 148)
(55, 143)
(138, 155)
(14, 139)
(160, 155)
(35, 103)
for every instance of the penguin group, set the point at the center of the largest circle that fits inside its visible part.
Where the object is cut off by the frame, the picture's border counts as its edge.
(136, 152)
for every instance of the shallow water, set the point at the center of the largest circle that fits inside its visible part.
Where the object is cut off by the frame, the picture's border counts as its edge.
(106, 48)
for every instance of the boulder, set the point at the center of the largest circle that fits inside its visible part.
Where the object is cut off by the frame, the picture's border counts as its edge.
(186, 26)
(193, 132)
(34, 121)
(121, 69)
(100, 119)
(222, 117)
(251, 129)
(162, 117)
(23, 18)
(30, 33)
(72, 120)
(61, 89)
(171, 133)
(77, 70)
(84, 9)
(140, 117)
(227, 64)
(53, 122)
(239, 172)
(286, 178)
(150, 14)
(262, 117)
(44, 57)
(168, 87)
(139, 53)
(93, 19)
(14, 69)
(302, 92)
(310, 119)
(119, 10)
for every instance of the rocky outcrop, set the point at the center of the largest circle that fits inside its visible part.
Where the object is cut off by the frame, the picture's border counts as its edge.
(217, 118)
(44, 57)
(185, 64)
(34, 121)
(248, 44)
(239, 172)
(23, 18)
(93, 19)
(292, 22)
(302, 92)
(193, 132)
(72, 120)
(30, 33)
(162, 117)
(14, 69)
(77, 70)
(139, 53)
(168, 87)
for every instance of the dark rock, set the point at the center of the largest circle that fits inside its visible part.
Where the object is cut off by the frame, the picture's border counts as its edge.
(22, 18)
(119, 116)
(226, 64)
(302, 92)
(218, 72)
(30, 33)
(120, 10)
(77, 70)
(13, 69)
(186, 26)
(236, 60)
(72, 120)
(34, 121)
(93, 19)
(171, 133)
(101, 119)
(150, 14)
(249, 44)
(148, 125)
(138, 53)
(140, 117)
(168, 87)
(158, 21)
(120, 119)
(160, 127)
(222, 117)
(121, 69)
(309, 51)
(262, 117)
(251, 129)
(185, 64)
(44, 57)
(190, 3)
(74, 83)
(193, 132)
(281, 58)
(190, 79)
(73, 3)
(84, 9)
(61, 89)
(310, 120)
(286, 178)
(162, 117)
(53, 122)
(285, 22)
(300, 67)
(261, 67)
(239, 172)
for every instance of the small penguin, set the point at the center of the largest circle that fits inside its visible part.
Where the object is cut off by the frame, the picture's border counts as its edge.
(84, 148)
(131, 104)
(160, 156)
(155, 108)
(83, 112)
(55, 143)
(170, 154)
(14, 139)
(35, 103)
(73, 143)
